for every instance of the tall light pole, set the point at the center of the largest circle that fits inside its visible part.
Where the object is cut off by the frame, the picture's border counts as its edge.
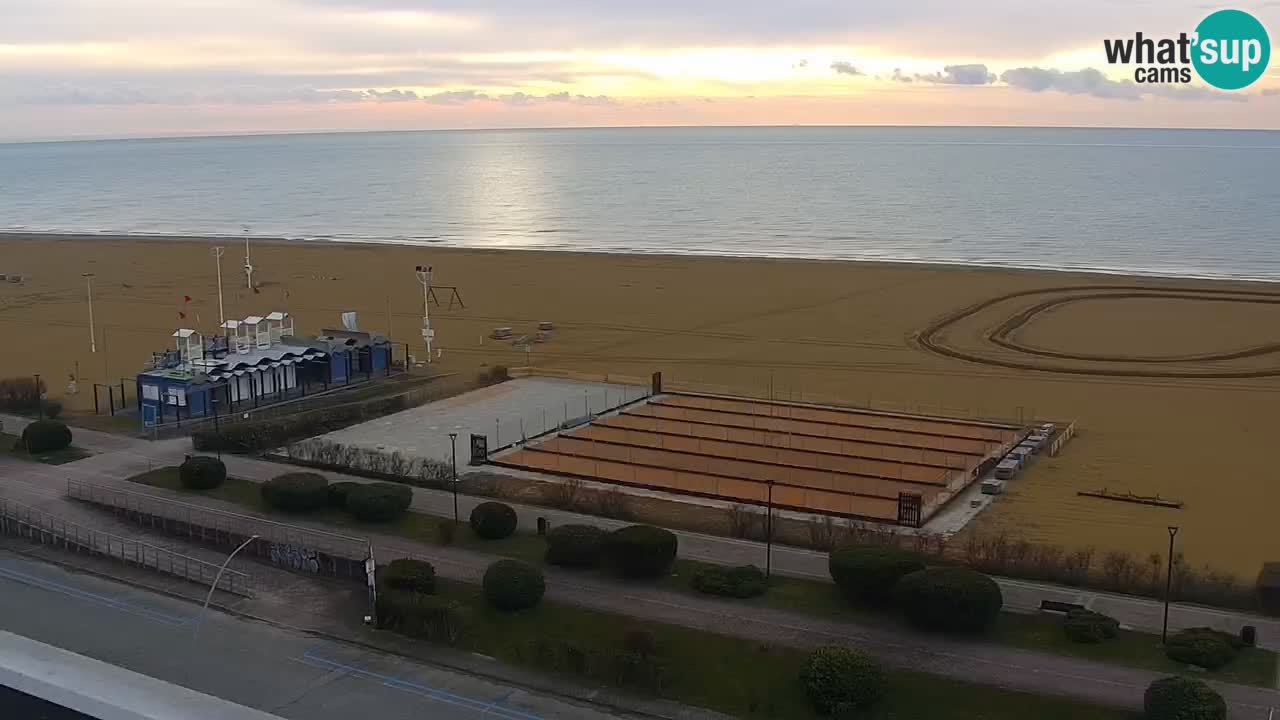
(88, 284)
(453, 441)
(424, 277)
(40, 399)
(204, 609)
(248, 266)
(768, 536)
(217, 259)
(1168, 586)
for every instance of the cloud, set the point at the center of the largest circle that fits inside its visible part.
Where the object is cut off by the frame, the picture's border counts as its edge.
(1271, 91)
(974, 74)
(455, 97)
(845, 68)
(899, 76)
(1092, 82)
(396, 95)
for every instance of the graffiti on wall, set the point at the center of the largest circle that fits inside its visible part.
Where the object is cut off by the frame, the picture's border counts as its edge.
(295, 558)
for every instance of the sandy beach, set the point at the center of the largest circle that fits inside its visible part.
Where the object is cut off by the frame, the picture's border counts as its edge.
(1171, 382)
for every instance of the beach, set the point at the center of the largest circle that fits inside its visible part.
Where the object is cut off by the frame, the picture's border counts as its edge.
(1169, 381)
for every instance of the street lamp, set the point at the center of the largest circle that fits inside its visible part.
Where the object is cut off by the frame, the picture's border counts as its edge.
(217, 259)
(88, 284)
(39, 399)
(768, 536)
(424, 277)
(453, 453)
(204, 609)
(1168, 585)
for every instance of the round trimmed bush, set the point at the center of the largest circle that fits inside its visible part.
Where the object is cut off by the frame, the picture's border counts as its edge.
(337, 493)
(641, 551)
(866, 574)
(513, 585)
(744, 581)
(44, 436)
(949, 598)
(1203, 647)
(201, 472)
(296, 492)
(409, 575)
(493, 520)
(1089, 627)
(379, 502)
(575, 545)
(841, 680)
(1180, 698)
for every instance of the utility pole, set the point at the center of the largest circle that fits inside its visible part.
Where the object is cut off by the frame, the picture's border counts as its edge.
(453, 440)
(768, 536)
(424, 277)
(88, 284)
(1168, 586)
(217, 259)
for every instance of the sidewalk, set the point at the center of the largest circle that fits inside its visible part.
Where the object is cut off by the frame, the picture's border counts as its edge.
(972, 661)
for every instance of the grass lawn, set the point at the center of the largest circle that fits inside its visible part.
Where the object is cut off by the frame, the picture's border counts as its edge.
(740, 677)
(12, 444)
(1031, 632)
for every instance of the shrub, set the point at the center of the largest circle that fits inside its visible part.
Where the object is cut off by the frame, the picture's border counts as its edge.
(44, 436)
(1087, 626)
(201, 472)
(337, 493)
(1180, 698)
(20, 394)
(949, 598)
(744, 581)
(513, 585)
(866, 574)
(296, 492)
(422, 616)
(409, 575)
(575, 545)
(840, 679)
(493, 520)
(379, 502)
(1203, 647)
(641, 551)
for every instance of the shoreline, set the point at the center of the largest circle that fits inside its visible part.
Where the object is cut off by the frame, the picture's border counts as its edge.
(888, 263)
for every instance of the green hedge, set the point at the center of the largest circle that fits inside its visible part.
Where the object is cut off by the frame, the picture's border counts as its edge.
(744, 581)
(201, 472)
(1180, 698)
(409, 575)
(513, 585)
(44, 436)
(493, 520)
(575, 545)
(296, 492)
(1203, 647)
(422, 616)
(841, 681)
(337, 493)
(949, 599)
(641, 551)
(1089, 627)
(866, 574)
(379, 502)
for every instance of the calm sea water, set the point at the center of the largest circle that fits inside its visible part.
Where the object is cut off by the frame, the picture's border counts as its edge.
(1159, 201)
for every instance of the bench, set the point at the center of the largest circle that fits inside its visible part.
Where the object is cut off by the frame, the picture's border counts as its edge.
(1059, 606)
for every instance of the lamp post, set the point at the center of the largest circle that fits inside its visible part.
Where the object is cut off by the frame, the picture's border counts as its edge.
(40, 400)
(204, 609)
(217, 259)
(88, 284)
(768, 536)
(453, 453)
(424, 277)
(1168, 586)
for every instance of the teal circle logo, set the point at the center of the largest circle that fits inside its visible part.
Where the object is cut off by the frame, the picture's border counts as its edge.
(1231, 49)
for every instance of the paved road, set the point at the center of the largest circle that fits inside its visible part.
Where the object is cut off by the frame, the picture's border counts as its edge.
(278, 671)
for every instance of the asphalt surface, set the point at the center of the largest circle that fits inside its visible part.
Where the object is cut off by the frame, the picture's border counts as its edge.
(279, 671)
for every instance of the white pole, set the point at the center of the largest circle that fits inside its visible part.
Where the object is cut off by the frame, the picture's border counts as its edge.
(248, 267)
(424, 277)
(204, 609)
(88, 283)
(217, 257)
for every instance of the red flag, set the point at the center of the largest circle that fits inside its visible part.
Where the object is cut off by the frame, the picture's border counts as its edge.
(186, 298)
(182, 315)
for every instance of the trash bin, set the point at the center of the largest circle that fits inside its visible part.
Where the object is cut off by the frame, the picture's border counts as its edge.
(1249, 635)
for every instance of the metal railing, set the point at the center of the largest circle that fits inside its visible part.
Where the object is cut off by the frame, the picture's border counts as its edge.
(209, 525)
(24, 521)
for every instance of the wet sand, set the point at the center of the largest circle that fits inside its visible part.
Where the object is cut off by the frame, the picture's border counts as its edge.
(798, 329)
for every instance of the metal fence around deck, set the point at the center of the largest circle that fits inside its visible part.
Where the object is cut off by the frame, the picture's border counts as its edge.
(24, 521)
(291, 546)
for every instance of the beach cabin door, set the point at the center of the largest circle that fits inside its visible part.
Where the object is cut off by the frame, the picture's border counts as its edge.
(148, 415)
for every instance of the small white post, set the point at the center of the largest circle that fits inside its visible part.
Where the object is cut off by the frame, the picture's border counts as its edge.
(88, 284)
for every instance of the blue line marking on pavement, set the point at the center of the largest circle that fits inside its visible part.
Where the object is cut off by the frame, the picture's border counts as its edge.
(483, 707)
(111, 602)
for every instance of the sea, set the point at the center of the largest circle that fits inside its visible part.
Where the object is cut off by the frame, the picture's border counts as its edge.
(1165, 202)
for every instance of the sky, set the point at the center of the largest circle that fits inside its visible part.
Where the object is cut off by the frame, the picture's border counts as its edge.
(128, 68)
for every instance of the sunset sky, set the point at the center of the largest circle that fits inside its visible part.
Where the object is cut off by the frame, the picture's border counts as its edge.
(105, 68)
